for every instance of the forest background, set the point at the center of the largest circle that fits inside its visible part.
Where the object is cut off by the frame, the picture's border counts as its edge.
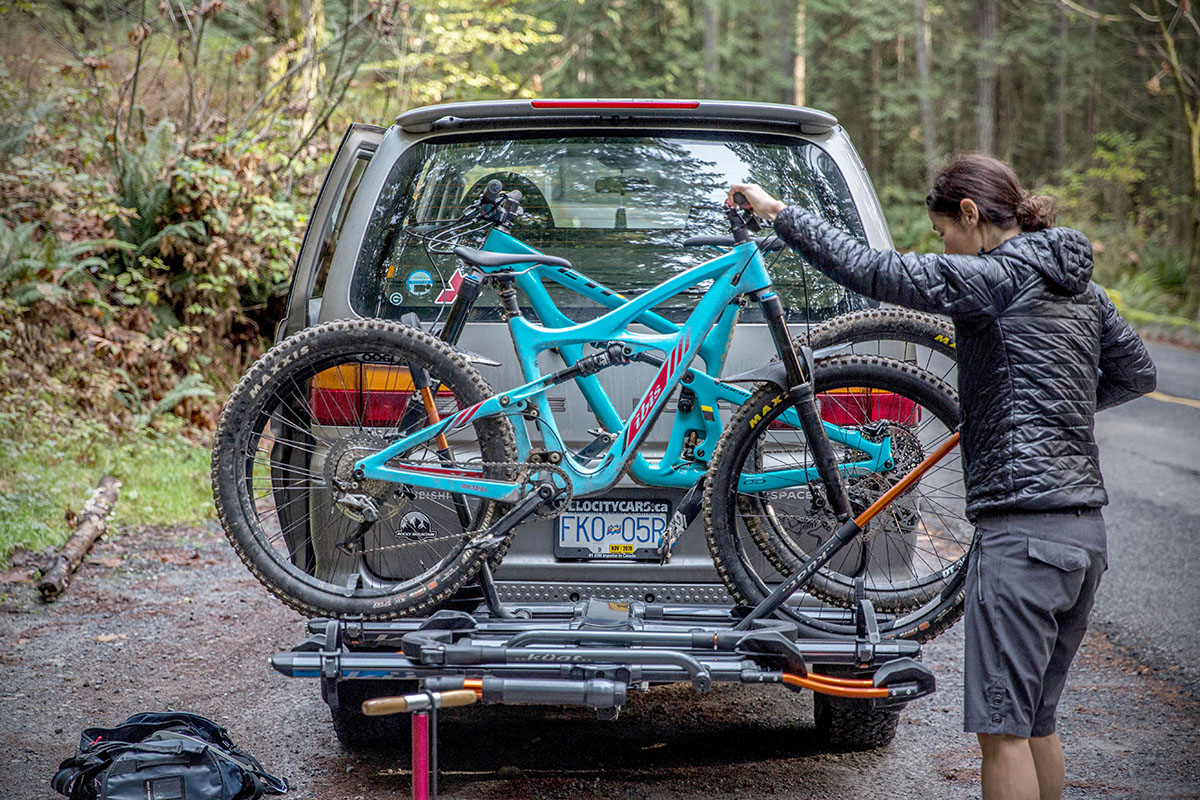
(158, 159)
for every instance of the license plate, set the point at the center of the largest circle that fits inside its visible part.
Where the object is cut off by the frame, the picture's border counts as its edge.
(611, 529)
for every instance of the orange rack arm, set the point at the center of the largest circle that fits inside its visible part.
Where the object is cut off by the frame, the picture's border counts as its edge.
(908, 480)
(823, 684)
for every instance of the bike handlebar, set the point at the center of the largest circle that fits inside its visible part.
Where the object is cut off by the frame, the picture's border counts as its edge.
(492, 190)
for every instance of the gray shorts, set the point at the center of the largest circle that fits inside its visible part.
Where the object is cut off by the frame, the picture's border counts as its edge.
(1029, 592)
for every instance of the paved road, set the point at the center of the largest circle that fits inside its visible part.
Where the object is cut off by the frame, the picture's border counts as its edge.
(1149, 600)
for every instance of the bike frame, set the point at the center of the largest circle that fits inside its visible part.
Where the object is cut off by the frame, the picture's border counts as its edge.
(706, 332)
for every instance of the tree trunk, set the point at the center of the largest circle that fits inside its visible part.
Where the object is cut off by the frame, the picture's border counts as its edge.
(925, 88)
(1192, 303)
(986, 74)
(1058, 96)
(712, 61)
(876, 108)
(800, 55)
(1093, 99)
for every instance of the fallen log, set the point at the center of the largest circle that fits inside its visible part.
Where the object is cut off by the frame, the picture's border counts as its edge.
(89, 526)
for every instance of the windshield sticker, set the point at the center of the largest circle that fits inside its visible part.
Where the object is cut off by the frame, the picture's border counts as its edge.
(419, 282)
(451, 291)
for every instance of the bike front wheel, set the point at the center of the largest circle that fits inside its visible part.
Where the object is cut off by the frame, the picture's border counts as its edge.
(912, 557)
(330, 543)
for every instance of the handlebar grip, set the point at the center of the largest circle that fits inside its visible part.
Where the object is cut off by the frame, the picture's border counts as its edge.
(382, 706)
(492, 190)
(739, 199)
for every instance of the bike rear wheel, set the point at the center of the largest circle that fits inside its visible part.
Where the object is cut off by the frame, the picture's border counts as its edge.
(912, 557)
(916, 338)
(283, 470)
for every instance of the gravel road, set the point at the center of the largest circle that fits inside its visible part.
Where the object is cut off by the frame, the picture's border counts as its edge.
(168, 618)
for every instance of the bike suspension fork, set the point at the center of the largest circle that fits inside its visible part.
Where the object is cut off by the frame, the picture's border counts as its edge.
(800, 382)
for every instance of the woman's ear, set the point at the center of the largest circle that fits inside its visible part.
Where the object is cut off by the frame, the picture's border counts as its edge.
(969, 215)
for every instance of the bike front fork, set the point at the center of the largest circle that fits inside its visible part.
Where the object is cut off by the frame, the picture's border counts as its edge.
(800, 389)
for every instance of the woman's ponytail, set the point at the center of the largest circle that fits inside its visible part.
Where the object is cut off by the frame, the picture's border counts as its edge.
(1035, 212)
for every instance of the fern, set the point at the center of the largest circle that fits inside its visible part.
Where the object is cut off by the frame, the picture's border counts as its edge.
(191, 386)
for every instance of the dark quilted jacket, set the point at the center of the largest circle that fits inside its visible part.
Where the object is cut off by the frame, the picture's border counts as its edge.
(1040, 349)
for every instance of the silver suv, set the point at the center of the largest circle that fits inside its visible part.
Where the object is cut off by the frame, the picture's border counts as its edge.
(615, 187)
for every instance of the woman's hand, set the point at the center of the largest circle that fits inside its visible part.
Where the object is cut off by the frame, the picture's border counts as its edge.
(763, 204)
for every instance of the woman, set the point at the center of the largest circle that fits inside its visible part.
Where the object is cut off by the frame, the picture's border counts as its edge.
(1040, 349)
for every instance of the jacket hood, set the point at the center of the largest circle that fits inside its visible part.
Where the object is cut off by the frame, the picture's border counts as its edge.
(1060, 255)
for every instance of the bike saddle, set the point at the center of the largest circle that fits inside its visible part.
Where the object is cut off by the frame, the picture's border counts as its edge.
(483, 258)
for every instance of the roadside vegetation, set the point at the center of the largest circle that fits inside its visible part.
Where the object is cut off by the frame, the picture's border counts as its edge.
(158, 161)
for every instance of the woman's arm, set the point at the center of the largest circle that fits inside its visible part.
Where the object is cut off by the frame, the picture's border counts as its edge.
(962, 287)
(1126, 369)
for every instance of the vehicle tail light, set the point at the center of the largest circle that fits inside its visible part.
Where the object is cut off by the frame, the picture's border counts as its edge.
(860, 405)
(366, 394)
(857, 405)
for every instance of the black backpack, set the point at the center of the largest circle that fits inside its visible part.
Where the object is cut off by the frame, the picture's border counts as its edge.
(168, 756)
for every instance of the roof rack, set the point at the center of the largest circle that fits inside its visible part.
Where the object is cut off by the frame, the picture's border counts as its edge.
(573, 111)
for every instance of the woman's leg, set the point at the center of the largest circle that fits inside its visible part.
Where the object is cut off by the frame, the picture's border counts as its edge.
(1009, 771)
(1048, 760)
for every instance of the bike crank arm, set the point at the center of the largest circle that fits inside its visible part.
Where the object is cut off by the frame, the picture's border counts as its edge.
(684, 514)
(841, 537)
(520, 512)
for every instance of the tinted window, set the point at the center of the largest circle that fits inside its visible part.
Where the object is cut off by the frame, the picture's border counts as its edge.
(618, 207)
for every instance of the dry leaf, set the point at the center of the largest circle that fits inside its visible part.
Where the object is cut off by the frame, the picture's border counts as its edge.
(111, 637)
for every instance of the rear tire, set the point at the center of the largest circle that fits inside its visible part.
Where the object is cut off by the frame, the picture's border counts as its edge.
(853, 725)
(916, 338)
(358, 732)
(284, 453)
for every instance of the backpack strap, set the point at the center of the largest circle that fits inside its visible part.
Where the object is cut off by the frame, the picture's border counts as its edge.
(75, 776)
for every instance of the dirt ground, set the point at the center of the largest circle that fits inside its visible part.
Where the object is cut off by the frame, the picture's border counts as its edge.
(168, 618)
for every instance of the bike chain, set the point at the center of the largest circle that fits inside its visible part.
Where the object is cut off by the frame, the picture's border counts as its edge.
(524, 470)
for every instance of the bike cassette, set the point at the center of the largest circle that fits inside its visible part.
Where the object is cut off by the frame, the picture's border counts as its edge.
(360, 499)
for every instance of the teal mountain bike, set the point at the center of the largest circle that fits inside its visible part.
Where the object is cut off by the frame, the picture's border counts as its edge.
(343, 442)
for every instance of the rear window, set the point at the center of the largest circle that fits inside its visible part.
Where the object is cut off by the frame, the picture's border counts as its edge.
(618, 207)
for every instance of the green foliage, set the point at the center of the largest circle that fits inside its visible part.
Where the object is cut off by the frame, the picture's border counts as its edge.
(908, 221)
(1114, 187)
(459, 50)
(50, 463)
(35, 266)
